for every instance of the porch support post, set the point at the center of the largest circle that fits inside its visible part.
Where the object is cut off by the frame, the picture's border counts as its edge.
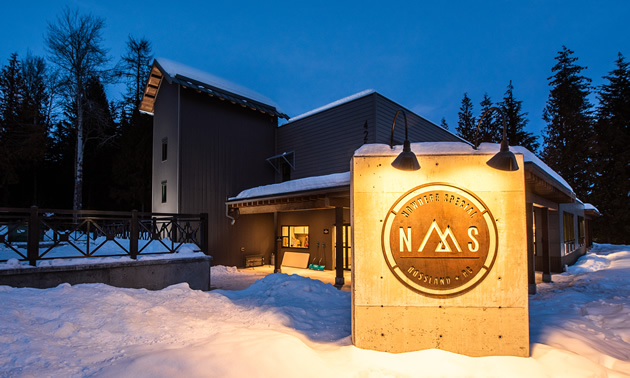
(278, 239)
(546, 265)
(339, 281)
(531, 261)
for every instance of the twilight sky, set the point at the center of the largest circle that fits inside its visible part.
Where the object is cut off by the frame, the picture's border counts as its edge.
(421, 54)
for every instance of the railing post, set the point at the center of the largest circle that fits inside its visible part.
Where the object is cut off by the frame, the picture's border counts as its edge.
(133, 238)
(204, 233)
(32, 248)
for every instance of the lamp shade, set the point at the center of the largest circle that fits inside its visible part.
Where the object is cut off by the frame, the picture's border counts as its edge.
(504, 160)
(407, 160)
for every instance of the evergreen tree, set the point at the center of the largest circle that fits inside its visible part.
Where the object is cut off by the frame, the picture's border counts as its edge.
(569, 134)
(443, 124)
(75, 46)
(136, 68)
(133, 165)
(466, 125)
(11, 89)
(489, 129)
(516, 122)
(612, 186)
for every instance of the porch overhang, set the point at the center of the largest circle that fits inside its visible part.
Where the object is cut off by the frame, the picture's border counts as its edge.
(318, 199)
(541, 186)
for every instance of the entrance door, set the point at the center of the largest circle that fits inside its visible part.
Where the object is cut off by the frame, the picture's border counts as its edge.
(346, 247)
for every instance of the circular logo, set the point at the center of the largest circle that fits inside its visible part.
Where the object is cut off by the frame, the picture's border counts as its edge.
(439, 240)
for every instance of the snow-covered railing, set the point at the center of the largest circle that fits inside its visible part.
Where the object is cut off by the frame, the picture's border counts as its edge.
(36, 234)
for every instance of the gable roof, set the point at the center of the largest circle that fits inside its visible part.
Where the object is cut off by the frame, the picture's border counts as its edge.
(203, 82)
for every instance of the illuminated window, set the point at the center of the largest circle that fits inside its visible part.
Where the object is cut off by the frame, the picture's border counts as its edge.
(295, 236)
(581, 230)
(569, 230)
(163, 191)
(164, 149)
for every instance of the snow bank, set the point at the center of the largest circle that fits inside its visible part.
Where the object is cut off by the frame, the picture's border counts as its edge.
(291, 326)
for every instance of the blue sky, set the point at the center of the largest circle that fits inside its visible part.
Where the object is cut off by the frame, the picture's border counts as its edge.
(423, 55)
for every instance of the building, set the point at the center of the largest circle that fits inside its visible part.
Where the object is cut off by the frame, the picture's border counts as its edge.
(272, 189)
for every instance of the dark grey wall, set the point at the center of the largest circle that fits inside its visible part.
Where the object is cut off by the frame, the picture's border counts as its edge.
(420, 130)
(223, 148)
(324, 143)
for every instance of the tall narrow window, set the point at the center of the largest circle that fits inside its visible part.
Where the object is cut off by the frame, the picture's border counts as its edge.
(164, 149)
(163, 191)
(569, 231)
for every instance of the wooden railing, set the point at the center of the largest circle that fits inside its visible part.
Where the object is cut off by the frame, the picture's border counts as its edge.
(39, 234)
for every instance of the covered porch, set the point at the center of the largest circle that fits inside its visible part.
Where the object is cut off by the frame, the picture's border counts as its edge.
(311, 219)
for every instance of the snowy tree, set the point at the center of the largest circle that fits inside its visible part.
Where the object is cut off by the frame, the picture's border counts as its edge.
(568, 136)
(466, 121)
(612, 129)
(516, 121)
(490, 127)
(74, 43)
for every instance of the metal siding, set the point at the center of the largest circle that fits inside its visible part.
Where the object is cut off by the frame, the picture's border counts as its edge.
(223, 151)
(325, 142)
(420, 130)
(165, 123)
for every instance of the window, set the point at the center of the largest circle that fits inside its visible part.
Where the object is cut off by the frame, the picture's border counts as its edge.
(581, 230)
(164, 149)
(569, 230)
(163, 191)
(295, 236)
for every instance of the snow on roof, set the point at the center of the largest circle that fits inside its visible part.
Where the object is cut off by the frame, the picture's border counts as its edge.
(588, 206)
(309, 183)
(458, 148)
(173, 68)
(333, 104)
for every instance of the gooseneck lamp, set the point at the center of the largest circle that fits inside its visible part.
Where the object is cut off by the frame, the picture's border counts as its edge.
(407, 160)
(504, 160)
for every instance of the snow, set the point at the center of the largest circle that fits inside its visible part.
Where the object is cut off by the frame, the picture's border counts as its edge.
(333, 104)
(309, 183)
(459, 148)
(61, 254)
(173, 68)
(292, 326)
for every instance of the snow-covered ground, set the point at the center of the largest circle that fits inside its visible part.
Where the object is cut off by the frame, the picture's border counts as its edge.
(291, 326)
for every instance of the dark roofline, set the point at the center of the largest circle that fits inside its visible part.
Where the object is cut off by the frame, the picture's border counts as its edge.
(151, 92)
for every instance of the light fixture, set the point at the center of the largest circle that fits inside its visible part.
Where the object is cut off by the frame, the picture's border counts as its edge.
(407, 160)
(504, 160)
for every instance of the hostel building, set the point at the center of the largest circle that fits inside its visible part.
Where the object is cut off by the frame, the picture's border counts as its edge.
(269, 189)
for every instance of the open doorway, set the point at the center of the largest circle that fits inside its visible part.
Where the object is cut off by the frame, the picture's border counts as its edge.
(346, 247)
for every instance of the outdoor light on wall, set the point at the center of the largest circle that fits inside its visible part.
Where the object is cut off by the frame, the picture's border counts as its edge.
(407, 160)
(504, 159)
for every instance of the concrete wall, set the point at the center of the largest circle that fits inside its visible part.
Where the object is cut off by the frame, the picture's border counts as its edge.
(490, 318)
(147, 274)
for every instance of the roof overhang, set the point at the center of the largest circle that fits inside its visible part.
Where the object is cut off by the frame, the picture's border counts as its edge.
(544, 185)
(158, 74)
(318, 199)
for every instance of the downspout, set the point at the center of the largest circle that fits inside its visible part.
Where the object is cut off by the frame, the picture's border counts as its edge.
(227, 214)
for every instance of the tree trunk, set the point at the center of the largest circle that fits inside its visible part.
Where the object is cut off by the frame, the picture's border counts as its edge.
(77, 203)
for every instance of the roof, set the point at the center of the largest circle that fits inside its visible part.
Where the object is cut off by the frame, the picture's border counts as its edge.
(334, 180)
(540, 172)
(203, 82)
(333, 104)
